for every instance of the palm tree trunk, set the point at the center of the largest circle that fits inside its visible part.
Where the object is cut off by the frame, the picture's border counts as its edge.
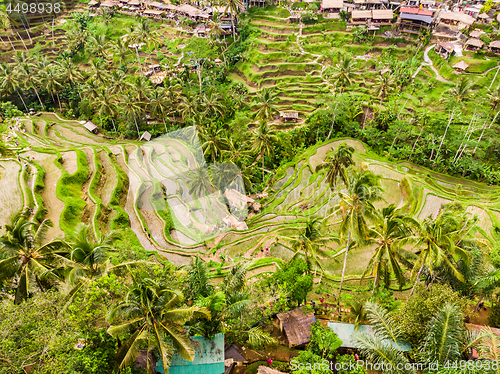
(415, 144)
(375, 282)
(20, 96)
(23, 42)
(164, 123)
(343, 267)
(137, 127)
(444, 136)
(418, 275)
(482, 133)
(263, 172)
(113, 122)
(10, 41)
(5, 44)
(60, 107)
(38, 96)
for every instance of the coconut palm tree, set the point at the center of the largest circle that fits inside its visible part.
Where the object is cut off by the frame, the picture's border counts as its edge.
(121, 52)
(69, 72)
(460, 93)
(105, 105)
(383, 86)
(344, 71)
(266, 102)
(309, 241)
(237, 152)
(356, 207)
(99, 71)
(9, 82)
(131, 107)
(437, 240)
(98, 45)
(50, 79)
(212, 103)
(199, 182)
(90, 259)
(141, 86)
(28, 257)
(159, 106)
(389, 232)
(117, 83)
(263, 139)
(28, 74)
(143, 33)
(213, 140)
(336, 164)
(494, 97)
(189, 106)
(153, 314)
(234, 7)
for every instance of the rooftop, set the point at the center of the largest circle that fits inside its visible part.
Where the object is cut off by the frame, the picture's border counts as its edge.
(297, 326)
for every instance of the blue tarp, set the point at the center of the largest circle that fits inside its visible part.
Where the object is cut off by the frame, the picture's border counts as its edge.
(208, 358)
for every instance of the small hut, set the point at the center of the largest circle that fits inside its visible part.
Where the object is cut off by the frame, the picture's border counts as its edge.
(289, 116)
(91, 127)
(474, 45)
(460, 66)
(382, 16)
(476, 33)
(93, 3)
(145, 137)
(495, 46)
(297, 326)
(332, 6)
(359, 17)
(444, 49)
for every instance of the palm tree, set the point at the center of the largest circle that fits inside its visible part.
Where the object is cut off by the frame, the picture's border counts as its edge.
(460, 93)
(144, 33)
(98, 45)
(27, 74)
(263, 140)
(199, 182)
(189, 106)
(69, 71)
(198, 279)
(234, 7)
(383, 86)
(389, 233)
(356, 206)
(90, 259)
(212, 103)
(27, 257)
(141, 86)
(153, 314)
(99, 71)
(159, 105)
(9, 82)
(436, 241)
(213, 140)
(105, 105)
(343, 72)
(131, 107)
(384, 345)
(116, 81)
(266, 101)
(309, 240)
(237, 152)
(51, 81)
(121, 52)
(336, 164)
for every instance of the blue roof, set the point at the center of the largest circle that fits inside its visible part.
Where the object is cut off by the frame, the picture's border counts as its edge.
(345, 331)
(208, 358)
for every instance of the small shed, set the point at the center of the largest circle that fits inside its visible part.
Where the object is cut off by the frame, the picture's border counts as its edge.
(495, 46)
(297, 326)
(146, 137)
(289, 116)
(382, 16)
(361, 16)
(474, 44)
(91, 127)
(462, 66)
(444, 49)
(233, 352)
(208, 358)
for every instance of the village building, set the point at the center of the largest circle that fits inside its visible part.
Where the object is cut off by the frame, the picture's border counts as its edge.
(382, 17)
(460, 66)
(297, 326)
(368, 4)
(427, 4)
(476, 33)
(332, 6)
(413, 20)
(473, 10)
(444, 49)
(91, 127)
(459, 20)
(361, 17)
(495, 46)
(289, 116)
(474, 45)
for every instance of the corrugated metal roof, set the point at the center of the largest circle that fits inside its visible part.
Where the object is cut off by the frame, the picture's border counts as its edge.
(416, 17)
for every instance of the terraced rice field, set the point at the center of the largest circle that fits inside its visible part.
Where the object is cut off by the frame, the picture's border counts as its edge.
(171, 220)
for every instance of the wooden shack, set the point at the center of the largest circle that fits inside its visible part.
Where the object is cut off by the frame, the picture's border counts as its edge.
(145, 137)
(297, 326)
(444, 49)
(289, 116)
(91, 127)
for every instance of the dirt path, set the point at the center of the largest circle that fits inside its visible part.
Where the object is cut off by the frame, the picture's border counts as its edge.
(428, 62)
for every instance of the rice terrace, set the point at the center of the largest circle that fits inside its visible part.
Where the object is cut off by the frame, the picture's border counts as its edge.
(246, 187)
